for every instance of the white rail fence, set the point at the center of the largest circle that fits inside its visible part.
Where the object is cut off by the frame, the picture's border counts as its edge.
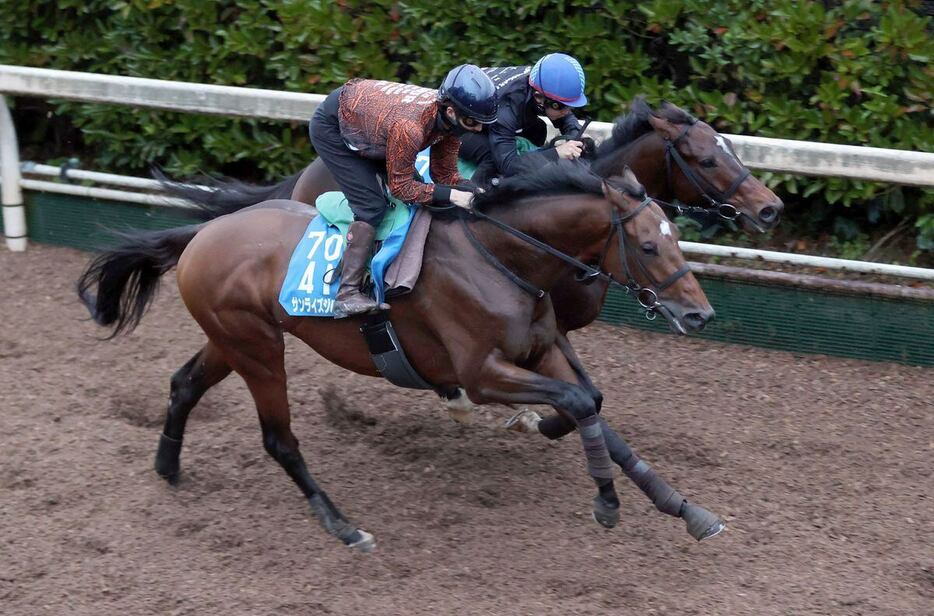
(779, 155)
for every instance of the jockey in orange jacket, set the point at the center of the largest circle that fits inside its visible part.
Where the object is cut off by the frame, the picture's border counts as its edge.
(369, 133)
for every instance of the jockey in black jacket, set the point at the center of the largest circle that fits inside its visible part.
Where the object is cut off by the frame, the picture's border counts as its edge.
(552, 87)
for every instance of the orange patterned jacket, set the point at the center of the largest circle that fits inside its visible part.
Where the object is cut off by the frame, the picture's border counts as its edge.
(393, 121)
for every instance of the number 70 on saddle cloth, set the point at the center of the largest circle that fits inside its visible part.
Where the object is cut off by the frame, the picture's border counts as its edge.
(311, 283)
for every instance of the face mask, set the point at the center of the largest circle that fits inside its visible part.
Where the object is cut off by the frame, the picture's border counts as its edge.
(454, 127)
(459, 131)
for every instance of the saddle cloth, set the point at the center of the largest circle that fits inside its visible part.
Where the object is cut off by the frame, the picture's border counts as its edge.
(311, 280)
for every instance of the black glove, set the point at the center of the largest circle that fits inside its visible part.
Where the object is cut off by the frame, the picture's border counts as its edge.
(468, 185)
(590, 148)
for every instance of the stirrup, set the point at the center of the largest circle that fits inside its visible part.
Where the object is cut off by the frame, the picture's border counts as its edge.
(371, 306)
(344, 312)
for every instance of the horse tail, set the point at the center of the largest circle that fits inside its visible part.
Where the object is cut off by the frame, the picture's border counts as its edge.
(214, 197)
(127, 276)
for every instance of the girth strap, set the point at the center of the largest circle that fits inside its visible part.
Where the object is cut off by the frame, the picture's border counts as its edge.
(388, 356)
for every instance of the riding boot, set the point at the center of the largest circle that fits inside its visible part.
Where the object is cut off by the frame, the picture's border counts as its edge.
(350, 299)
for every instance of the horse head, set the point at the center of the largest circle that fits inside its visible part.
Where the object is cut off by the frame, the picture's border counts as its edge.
(677, 156)
(647, 257)
(702, 166)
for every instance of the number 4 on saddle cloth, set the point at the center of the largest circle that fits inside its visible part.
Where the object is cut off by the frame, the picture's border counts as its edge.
(312, 280)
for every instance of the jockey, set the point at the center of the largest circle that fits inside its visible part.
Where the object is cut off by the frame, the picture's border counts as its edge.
(369, 133)
(553, 87)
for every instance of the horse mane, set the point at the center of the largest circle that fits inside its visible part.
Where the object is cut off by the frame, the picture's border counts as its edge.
(560, 177)
(627, 128)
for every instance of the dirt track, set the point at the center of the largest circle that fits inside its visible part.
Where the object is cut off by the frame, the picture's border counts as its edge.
(822, 468)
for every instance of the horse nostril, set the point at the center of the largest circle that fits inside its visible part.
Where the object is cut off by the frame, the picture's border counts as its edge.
(769, 214)
(697, 320)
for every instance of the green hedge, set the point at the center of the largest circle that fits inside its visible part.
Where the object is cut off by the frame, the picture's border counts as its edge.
(856, 71)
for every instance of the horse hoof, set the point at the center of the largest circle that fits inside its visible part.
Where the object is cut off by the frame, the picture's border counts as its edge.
(524, 421)
(713, 531)
(604, 514)
(167, 459)
(171, 477)
(362, 541)
(701, 523)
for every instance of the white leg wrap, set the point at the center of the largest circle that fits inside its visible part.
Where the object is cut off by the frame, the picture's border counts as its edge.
(460, 409)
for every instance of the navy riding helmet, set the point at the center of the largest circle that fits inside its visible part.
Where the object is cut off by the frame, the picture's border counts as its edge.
(471, 93)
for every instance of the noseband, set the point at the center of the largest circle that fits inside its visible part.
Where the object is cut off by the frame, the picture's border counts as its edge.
(717, 201)
(646, 296)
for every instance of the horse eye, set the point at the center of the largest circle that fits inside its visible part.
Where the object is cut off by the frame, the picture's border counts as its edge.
(650, 248)
(708, 162)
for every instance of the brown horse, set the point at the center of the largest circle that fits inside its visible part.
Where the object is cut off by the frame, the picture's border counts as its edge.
(466, 324)
(674, 155)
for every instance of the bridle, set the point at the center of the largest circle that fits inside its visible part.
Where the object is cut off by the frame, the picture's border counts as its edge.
(646, 296)
(718, 202)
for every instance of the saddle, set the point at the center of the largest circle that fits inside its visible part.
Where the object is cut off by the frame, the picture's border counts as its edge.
(313, 276)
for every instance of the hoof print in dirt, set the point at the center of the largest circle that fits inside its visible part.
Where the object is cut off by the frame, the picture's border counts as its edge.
(341, 415)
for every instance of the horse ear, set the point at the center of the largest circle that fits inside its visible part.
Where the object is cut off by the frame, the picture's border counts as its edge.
(612, 194)
(662, 126)
(629, 176)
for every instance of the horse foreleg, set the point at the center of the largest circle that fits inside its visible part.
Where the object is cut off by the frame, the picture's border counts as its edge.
(526, 420)
(583, 379)
(551, 383)
(462, 410)
(701, 524)
(188, 384)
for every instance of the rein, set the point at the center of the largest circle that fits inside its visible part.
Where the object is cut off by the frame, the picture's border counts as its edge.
(646, 296)
(717, 201)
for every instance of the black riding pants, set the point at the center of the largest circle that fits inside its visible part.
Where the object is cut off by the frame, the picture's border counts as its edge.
(362, 180)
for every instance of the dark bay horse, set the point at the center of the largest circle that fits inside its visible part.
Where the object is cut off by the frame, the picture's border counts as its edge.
(466, 324)
(674, 155)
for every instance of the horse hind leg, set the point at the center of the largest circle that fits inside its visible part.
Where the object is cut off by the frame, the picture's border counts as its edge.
(204, 370)
(258, 357)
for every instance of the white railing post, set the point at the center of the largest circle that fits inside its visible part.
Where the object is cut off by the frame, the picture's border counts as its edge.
(11, 196)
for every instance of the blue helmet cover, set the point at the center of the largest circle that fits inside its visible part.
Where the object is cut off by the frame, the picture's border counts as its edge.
(559, 77)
